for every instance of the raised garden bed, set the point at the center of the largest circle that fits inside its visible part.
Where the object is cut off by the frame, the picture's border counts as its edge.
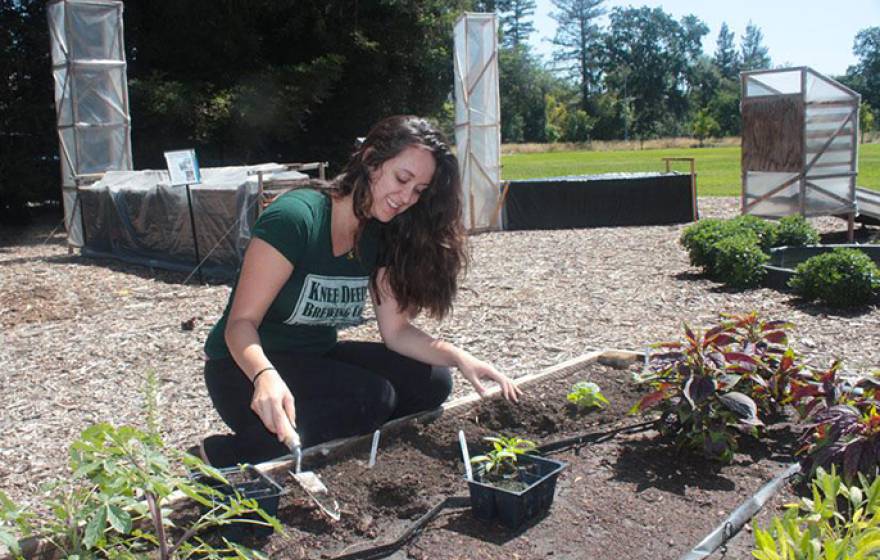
(783, 260)
(629, 496)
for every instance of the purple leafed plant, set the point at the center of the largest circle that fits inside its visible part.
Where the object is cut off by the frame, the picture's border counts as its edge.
(843, 425)
(712, 384)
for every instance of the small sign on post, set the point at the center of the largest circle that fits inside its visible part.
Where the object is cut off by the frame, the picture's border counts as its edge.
(183, 169)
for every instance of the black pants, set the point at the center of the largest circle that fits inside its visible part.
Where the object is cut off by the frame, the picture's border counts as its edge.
(352, 389)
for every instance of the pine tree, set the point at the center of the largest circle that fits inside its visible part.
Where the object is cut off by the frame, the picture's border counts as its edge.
(516, 25)
(726, 58)
(578, 41)
(754, 54)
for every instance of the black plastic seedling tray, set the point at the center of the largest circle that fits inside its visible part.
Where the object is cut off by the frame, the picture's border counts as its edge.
(249, 483)
(514, 509)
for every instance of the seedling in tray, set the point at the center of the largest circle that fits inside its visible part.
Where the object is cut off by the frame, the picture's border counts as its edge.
(500, 463)
(511, 485)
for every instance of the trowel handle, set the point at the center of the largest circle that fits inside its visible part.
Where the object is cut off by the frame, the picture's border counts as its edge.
(293, 442)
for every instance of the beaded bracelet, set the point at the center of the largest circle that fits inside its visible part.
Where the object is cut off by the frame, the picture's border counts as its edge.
(261, 372)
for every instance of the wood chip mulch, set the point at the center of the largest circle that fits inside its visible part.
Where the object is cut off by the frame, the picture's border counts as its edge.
(77, 335)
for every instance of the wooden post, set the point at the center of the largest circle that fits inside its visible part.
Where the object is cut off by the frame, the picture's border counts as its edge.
(497, 213)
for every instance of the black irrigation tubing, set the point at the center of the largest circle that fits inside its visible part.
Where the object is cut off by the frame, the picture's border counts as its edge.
(740, 516)
(594, 437)
(385, 550)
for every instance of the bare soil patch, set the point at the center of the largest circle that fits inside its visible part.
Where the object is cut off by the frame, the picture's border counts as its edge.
(634, 496)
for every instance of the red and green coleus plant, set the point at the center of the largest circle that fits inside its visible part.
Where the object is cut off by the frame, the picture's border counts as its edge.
(759, 349)
(693, 389)
(843, 427)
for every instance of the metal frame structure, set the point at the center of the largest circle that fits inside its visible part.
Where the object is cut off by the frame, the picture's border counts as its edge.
(817, 176)
(91, 96)
(478, 118)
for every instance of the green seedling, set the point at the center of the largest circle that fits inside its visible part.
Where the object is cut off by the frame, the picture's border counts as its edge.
(501, 461)
(587, 394)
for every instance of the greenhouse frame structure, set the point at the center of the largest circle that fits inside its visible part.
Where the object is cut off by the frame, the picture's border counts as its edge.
(478, 118)
(799, 144)
(91, 97)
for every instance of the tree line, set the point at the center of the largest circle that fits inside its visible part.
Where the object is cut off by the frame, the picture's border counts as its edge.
(247, 81)
(641, 75)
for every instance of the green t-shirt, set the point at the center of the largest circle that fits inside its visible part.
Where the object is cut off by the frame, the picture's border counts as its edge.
(323, 293)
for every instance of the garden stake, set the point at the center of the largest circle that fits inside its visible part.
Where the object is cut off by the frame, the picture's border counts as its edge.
(373, 449)
(465, 455)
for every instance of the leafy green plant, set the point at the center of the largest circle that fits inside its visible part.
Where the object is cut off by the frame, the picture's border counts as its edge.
(501, 460)
(692, 387)
(794, 231)
(842, 278)
(738, 260)
(586, 394)
(114, 504)
(839, 522)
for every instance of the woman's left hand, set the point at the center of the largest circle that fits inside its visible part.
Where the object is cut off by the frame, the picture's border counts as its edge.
(474, 370)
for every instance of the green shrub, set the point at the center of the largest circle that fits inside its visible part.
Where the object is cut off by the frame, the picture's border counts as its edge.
(699, 240)
(738, 260)
(839, 521)
(763, 229)
(795, 231)
(842, 278)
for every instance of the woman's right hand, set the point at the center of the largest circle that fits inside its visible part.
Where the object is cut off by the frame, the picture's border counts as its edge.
(273, 403)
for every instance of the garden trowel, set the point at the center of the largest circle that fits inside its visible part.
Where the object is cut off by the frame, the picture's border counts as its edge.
(310, 482)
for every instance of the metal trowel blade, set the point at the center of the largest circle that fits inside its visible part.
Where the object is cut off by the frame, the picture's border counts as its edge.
(318, 492)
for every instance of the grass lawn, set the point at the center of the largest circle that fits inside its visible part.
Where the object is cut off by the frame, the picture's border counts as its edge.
(718, 172)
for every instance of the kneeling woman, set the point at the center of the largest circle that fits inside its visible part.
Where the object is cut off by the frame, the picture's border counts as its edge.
(389, 225)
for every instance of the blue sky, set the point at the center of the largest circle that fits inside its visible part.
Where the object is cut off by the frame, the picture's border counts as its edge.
(816, 33)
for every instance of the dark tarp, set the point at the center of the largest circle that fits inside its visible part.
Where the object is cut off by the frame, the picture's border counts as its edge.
(137, 217)
(599, 200)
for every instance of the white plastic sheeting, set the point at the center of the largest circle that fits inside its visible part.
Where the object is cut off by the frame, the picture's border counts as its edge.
(478, 118)
(91, 95)
(826, 182)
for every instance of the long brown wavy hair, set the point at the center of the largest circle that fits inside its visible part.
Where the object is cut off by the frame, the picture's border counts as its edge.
(422, 249)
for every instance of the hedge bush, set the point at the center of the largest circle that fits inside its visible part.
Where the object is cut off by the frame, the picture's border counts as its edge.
(842, 278)
(739, 259)
(699, 238)
(764, 229)
(795, 231)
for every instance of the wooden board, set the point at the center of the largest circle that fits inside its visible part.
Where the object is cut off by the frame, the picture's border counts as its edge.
(772, 136)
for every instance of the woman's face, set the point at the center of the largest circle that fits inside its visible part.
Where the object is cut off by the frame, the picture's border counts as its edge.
(398, 182)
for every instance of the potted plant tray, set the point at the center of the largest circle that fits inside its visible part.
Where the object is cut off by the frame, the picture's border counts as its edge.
(249, 483)
(516, 501)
